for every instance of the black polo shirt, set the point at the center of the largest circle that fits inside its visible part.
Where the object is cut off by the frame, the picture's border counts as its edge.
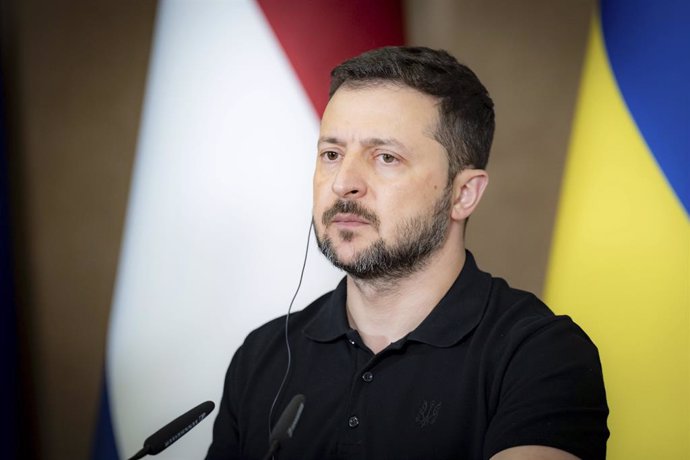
(490, 368)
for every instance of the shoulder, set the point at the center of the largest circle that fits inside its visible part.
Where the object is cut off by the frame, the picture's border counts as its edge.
(273, 332)
(497, 314)
(263, 351)
(519, 316)
(546, 374)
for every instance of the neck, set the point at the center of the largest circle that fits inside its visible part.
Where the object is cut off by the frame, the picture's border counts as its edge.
(384, 311)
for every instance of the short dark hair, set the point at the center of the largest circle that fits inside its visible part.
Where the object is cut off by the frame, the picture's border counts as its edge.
(466, 112)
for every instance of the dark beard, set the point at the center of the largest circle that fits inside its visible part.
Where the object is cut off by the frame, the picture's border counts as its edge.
(416, 240)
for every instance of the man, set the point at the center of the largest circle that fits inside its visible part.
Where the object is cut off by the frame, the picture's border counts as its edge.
(417, 354)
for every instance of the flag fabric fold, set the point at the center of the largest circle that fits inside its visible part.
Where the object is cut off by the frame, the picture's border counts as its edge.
(620, 260)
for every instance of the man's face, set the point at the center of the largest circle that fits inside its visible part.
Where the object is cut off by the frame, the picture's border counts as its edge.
(381, 192)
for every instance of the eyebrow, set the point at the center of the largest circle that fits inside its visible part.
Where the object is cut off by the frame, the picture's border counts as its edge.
(330, 140)
(368, 142)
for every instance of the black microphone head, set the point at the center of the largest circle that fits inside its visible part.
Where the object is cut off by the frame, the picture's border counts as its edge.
(174, 430)
(288, 420)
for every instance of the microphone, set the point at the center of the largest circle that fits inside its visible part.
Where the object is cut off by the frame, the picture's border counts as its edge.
(166, 436)
(285, 427)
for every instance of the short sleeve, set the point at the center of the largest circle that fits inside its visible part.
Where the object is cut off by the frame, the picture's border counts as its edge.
(551, 392)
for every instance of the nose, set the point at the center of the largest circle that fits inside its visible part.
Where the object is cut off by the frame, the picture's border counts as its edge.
(349, 182)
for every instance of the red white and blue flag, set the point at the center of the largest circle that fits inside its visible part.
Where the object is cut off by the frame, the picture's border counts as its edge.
(220, 202)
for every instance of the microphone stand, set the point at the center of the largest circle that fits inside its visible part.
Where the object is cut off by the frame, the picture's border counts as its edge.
(274, 448)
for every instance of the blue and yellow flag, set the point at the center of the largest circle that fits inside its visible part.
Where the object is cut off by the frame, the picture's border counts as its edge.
(620, 262)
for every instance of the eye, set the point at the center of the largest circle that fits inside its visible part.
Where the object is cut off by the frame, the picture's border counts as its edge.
(330, 155)
(387, 158)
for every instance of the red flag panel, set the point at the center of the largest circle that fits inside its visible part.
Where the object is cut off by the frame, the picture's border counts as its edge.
(318, 35)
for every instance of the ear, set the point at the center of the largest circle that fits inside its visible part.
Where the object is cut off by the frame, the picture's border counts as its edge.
(468, 188)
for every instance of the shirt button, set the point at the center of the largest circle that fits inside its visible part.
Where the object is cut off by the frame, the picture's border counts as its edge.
(367, 376)
(353, 422)
(352, 342)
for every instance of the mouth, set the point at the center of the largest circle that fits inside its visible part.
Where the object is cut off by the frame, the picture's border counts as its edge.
(349, 215)
(349, 220)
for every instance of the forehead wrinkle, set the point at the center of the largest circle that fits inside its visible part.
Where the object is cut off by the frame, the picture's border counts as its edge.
(378, 142)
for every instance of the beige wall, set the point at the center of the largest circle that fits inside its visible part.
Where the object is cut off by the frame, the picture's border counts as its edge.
(79, 71)
(528, 54)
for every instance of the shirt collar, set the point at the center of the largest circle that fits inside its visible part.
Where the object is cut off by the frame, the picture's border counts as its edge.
(454, 317)
(459, 311)
(331, 321)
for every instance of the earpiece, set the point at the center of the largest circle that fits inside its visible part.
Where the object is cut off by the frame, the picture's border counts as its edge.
(287, 341)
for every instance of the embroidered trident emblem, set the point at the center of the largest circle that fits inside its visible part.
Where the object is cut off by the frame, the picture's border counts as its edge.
(428, 413)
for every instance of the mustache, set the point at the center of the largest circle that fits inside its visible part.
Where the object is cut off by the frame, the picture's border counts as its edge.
(349, 207)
